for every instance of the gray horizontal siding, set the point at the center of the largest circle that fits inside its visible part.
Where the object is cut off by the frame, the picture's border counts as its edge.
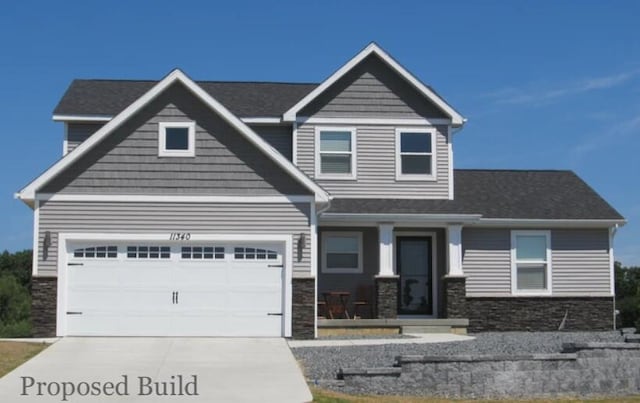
(486, 261)
(372, 89)
(376, 165)
(579, 262)
(223, 218)
(79, 132)
(279, 137)
(127, 160)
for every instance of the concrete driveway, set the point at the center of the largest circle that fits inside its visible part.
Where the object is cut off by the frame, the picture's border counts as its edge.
(94, 369)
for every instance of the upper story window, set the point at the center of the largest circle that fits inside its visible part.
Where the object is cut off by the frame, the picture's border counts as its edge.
(342, 252)
(531, 262)
(336, 153)
(415, 154)
(177, 139)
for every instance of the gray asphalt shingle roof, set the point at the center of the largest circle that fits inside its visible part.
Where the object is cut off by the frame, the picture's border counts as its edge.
(500, 194)
(243, 99)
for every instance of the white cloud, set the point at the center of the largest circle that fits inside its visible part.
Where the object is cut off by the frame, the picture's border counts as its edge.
(533, 94)
(603, 138)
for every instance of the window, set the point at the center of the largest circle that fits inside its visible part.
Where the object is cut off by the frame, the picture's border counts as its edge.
(342, 252)
(148, 252)
(240, 253)
(530, 262)
(176, 139)
(335, 153)
(415, 154)
(97, 252)
(202, 252)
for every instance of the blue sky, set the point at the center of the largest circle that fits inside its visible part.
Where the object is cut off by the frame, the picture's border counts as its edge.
(544, 84)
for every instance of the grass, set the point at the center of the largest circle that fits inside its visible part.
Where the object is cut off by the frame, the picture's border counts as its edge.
(326, 396)
(13, 354)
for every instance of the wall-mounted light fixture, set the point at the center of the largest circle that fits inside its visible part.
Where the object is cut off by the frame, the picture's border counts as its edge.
(46, 242)
(302, 243)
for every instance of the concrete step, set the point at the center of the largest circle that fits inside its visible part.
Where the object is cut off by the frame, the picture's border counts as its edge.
(628, 330)
(632, 338)
(426, 329)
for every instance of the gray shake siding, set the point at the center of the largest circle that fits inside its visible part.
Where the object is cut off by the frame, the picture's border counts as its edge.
(144, 217)
(371, 89)
(127, 161)
(79, 132)
(376, 173)
(579, 261)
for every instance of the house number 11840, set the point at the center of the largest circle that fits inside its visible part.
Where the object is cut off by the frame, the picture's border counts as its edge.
(179, 236)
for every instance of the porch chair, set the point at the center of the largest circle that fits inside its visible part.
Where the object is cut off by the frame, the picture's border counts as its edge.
(363, 302)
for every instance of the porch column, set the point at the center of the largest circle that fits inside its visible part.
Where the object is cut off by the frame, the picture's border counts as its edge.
(386, 280)
(455, 281)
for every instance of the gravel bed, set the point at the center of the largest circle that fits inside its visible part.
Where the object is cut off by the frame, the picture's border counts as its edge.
(322, 363)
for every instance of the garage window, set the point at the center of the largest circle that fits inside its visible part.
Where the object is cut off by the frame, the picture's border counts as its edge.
(202, 252)
(97, 252)
(148, 252)
(254, 254)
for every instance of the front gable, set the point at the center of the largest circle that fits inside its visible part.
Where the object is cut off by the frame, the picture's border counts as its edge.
(372, 89)
(127, 160)
(213, 120)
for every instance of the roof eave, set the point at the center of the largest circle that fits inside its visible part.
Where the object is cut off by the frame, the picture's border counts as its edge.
(551, 223)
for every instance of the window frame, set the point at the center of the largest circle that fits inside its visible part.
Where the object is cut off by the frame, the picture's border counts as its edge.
(344, 270)
(398, 154)
(162, 139)
(514, 262)
(354, 153)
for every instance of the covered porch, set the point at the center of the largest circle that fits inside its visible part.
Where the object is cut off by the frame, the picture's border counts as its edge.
(391, 276)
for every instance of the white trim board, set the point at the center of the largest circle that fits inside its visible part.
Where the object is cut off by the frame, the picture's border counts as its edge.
(373, 121)
(173, 199)
(105, 118)
(373, 48)
(28, 193)
(64, 238)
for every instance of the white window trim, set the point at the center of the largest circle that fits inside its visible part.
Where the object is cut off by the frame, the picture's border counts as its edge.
(514, 266)
(415, 177)
(327, 270)
(162, 146)
(354, 153)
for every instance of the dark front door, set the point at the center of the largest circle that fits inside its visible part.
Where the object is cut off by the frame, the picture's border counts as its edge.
(414, 266)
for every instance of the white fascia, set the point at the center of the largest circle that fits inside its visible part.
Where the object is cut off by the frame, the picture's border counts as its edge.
(28, 193)
(373, 48)
(547, 223)
(426, 218)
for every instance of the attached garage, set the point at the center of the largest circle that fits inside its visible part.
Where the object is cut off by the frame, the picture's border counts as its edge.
(150, 286)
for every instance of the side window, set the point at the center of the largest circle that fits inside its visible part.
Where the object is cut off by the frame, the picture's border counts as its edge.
(336, 153)
(342, 252)
(176, 139)
(530, 262)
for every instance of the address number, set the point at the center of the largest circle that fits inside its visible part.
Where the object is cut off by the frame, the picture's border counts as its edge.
(179, 236)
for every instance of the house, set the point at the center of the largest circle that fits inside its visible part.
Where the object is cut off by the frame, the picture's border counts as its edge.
(232, 208)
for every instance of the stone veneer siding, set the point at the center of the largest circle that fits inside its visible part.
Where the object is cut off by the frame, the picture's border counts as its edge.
(487, 314)
(387, 297)
(303, 308)
(455, 301)
(44, 294)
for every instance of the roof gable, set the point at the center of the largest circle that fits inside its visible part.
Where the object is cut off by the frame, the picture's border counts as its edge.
(373, 49)
(28, 193)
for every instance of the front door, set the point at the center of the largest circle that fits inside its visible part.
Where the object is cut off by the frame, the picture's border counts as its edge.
(414, 266)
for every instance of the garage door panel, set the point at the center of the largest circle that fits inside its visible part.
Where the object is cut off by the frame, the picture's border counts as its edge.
(229, 292)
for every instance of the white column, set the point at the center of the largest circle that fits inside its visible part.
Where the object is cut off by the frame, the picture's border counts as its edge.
(454, 235)
(385, 237)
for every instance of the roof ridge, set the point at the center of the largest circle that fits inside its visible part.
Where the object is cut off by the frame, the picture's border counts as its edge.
(197, 81)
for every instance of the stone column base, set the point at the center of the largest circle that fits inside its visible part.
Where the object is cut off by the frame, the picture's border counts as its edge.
(303, 309)
(455, 299)
(387, 297)
(44, 297)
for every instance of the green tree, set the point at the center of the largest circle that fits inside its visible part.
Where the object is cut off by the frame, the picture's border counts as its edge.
(15, 307)
(627, 283)
(17, 264)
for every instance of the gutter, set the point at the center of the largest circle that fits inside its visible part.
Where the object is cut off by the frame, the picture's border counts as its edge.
(427, 218)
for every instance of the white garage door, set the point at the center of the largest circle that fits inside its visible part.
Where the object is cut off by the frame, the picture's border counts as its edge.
(156, 289)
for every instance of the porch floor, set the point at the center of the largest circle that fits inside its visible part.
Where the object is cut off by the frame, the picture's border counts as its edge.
(333, 327)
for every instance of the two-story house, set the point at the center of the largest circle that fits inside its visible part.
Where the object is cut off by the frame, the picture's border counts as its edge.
(251, 209)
